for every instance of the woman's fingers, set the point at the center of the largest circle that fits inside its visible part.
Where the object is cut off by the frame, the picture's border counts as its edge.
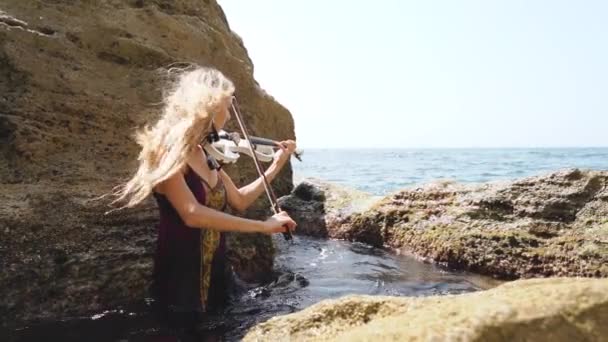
(288, 145)
(280, 222)
(287, 221)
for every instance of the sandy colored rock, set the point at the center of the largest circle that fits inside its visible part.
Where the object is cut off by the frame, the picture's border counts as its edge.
(76, 79)
(550, 225)
(558, 309)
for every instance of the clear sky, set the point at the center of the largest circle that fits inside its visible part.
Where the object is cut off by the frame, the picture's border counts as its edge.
(392, 73)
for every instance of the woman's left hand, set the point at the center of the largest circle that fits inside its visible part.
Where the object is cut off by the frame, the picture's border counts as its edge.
(288, 147)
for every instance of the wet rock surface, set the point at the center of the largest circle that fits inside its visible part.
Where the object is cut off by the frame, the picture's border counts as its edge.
(317, 206)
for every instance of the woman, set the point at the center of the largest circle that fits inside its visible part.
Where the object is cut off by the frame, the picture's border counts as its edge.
(192, 195)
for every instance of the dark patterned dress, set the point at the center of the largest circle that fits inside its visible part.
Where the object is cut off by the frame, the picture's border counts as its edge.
(190, 263)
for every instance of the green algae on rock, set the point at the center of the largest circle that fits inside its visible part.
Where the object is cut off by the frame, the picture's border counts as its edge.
(557, 309)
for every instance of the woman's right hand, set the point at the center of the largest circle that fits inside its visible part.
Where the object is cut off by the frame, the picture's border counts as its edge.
(278, 223)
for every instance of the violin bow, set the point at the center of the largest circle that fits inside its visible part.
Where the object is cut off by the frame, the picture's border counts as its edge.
(269, 192)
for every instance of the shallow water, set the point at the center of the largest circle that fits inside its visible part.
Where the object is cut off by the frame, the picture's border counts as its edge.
(308, 271)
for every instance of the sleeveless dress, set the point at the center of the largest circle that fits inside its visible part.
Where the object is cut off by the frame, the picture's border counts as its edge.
(190, 264)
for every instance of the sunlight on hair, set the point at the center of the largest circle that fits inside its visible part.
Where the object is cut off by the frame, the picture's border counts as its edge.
(186, 117)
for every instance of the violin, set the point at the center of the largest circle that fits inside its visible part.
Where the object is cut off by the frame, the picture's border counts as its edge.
(227, 147)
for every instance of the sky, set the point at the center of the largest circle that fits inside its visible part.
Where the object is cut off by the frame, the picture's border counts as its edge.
(427, 74)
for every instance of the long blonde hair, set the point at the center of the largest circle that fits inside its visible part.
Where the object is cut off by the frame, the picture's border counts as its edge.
(186, 118)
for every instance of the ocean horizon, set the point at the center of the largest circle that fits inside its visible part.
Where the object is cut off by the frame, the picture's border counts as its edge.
(381, 171)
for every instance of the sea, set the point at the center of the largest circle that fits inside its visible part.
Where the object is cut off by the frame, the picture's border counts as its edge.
(383, 171)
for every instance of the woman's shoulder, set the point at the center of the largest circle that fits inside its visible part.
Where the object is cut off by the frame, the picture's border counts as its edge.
(160, 188)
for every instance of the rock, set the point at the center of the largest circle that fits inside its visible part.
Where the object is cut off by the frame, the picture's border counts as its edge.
(251, 256)
(76, 79)
(307, 191)
(551, 225)
(559, 309)
(317, 206)
(306, 206)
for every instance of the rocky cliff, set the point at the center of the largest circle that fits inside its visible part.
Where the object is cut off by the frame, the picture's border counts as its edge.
(76, 79)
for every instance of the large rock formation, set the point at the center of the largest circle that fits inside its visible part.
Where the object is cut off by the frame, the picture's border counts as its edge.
(76, 79)
(559, 309)
(551, 225)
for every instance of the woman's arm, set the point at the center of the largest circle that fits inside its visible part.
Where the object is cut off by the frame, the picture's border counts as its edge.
(241, 199)
(196, 215)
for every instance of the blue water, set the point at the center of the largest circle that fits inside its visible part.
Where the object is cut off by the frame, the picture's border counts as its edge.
(382, 171)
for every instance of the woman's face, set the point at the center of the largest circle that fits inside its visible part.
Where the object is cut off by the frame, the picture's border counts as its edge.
(222, 114)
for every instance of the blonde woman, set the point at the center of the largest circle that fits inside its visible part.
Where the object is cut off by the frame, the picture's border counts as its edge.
(192, 195)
